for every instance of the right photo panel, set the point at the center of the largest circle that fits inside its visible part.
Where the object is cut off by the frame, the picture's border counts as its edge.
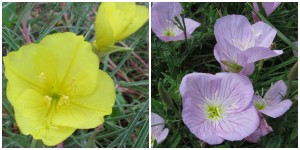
(224, 75)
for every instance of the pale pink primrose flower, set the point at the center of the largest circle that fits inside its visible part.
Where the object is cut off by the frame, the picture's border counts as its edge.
(162, 21)
(273, 104)
(240, 44)
(158, 132)
(269, 8)
(262, 130)
(218, 107)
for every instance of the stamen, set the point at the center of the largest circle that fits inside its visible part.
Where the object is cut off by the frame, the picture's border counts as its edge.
(42, 77)
(48, 100)
(63, 100)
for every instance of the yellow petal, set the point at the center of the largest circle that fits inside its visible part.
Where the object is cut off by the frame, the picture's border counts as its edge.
(120, 15)
(88, 112)
(77, 66)
(141, 17)
(33, 117)
(104, 31)
(21, 73)
(112, 20)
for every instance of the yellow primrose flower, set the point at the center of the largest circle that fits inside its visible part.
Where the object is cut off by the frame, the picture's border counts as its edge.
(55, 87)
(116, 21)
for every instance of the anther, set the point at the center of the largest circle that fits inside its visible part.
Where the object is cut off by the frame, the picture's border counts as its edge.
(63, 100)
(42, 77)
(48, 100)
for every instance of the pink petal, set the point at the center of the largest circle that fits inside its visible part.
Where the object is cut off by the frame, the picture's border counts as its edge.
(256, 99)
(236, 30)
(163, 135)
(236, 91)
(194, 118)
(262, 130)
(157, 126)
(270, 7)
(178, 37)
(264, 34)
(233, 55)
(236, 126)
(276, 93)
(258, 53)
(277, 110)
(248, 69)
(167, 10)
(191, 25)
(198, 87)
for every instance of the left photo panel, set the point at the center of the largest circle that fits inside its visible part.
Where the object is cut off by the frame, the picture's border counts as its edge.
(75, 75)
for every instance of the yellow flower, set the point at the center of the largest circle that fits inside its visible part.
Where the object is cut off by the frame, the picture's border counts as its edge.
(116, 21)
(55, 87)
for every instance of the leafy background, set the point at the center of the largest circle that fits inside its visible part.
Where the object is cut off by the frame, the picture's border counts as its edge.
(128, 125)
(172, 60)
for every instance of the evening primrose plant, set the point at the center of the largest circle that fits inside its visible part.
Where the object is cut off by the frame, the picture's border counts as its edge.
(206, 88)
(57, 92)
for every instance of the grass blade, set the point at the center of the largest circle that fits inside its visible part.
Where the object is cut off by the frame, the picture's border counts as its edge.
(142, 136)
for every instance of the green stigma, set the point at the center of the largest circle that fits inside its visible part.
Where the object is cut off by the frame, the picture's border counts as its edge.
(169, 32)
(232, 67)
(214, 112)
(260, 106)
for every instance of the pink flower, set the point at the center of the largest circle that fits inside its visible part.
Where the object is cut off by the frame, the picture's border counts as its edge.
(158, 132)
(163, 18)
(218, 107)
(268, 6)
(240, 44)
(273, 104)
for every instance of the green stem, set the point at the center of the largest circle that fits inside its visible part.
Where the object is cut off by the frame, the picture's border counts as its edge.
(280, 35)
(260, 65)
(184, 28)
(33, 143)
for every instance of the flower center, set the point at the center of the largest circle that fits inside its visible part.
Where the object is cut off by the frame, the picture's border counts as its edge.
(214, 112)
(169, 32)
(260, 106)
(56, 100)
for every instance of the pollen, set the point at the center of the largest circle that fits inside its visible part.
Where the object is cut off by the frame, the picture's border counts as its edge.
(214, 112)
(260, 106)
(48, 100)
(64, 100)
(42, 77)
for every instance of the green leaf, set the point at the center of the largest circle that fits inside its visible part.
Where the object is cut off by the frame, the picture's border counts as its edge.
(10, 40)
(294, 134)
(164, 95)
(175, 141)
(142, 136)
(8, 14)
(47, 29)
(132, 124)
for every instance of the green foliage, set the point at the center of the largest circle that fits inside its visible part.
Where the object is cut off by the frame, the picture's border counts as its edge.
(127, 126)
(172, 60)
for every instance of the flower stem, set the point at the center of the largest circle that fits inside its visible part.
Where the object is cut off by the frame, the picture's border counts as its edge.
(184, 28)
(33, 143)
(260, 65)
